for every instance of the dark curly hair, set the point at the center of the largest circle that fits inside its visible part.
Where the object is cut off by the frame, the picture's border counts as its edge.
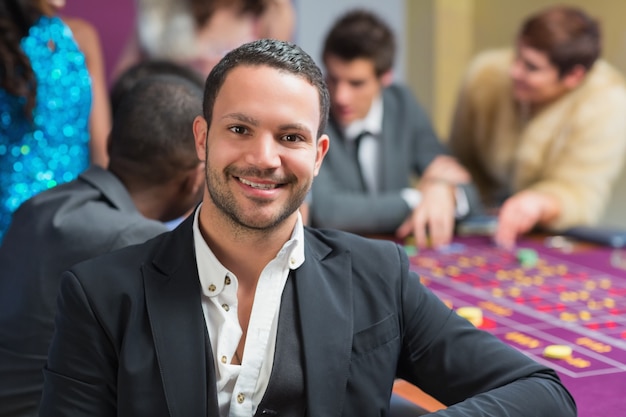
(16, 73)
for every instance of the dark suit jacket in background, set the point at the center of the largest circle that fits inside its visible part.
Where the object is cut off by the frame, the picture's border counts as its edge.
(49, 233)
(131, 338)
(407, 146)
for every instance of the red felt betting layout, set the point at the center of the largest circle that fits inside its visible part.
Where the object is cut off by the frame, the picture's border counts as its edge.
(556, 301)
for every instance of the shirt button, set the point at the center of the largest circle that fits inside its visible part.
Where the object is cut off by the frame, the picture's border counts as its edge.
(241, 398)
(212, 287)
(224, 359)
(227, 280)
(292, 261)
(225, 307)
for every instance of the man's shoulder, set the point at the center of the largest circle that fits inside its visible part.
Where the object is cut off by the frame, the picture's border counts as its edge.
(79, 213)
(398, 92)
(119, 263)
(400, 101)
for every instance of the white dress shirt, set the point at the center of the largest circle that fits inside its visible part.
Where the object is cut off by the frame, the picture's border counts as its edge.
(241, 388)
(369, 128)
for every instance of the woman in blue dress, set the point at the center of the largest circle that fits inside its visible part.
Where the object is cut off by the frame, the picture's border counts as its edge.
(46, 102)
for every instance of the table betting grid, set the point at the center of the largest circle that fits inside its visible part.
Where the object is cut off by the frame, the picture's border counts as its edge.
(576, 299)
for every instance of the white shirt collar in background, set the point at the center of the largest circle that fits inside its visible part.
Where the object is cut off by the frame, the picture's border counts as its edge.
(372, 123)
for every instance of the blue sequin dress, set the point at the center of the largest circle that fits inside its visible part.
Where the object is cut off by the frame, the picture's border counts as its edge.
(52, 148)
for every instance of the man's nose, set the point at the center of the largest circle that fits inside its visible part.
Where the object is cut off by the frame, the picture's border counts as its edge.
(264, 151)
(342, 94)
(516, 69)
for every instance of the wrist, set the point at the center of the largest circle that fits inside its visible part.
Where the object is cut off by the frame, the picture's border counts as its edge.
(431, 181)
(411, 196)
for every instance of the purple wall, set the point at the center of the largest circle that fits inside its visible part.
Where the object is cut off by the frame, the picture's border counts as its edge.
(114, 20)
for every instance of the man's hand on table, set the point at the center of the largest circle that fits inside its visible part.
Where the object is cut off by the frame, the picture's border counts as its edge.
(521, 213)
(433, 217)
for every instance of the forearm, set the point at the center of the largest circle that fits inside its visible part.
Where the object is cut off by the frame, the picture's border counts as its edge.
(358, 212)
(445, 168)
(100, 116)
(539, 395)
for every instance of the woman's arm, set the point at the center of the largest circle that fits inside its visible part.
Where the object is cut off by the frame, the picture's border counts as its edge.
(100, 118)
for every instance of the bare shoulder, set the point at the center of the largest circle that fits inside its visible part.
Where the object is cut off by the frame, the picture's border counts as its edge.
(84, 32)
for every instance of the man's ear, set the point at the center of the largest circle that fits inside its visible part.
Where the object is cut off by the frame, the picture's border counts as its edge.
(386, 78)
(200, 128)
(574, 77)
(323, 142)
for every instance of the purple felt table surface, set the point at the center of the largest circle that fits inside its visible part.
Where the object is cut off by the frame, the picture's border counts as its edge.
(575, 298)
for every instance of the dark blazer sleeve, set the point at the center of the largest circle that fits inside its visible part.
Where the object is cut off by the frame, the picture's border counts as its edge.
(470, 370)
(341, 203)
(80, 375)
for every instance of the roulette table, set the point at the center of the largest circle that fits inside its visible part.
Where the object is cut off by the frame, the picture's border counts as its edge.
(572, 294)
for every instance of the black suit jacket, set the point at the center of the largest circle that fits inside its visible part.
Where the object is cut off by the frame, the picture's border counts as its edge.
(131, 338)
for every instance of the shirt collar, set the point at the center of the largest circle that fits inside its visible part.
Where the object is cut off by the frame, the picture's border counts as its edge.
(372, 122)
(213, 275)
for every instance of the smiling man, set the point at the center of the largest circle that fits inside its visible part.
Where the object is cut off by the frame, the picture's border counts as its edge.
(243, 311)
(541, 128)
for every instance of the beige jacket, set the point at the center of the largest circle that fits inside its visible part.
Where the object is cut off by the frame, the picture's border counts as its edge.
(573, 149)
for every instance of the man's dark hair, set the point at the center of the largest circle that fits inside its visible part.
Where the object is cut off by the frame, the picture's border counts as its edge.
(362, 34)
(129, 78)
(152, 140)
(566, 34)
(281, 55)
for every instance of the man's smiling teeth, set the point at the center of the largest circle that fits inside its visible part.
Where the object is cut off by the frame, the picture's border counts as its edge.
(258, 186)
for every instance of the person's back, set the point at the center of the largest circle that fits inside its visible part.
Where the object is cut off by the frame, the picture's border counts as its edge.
(153, 177)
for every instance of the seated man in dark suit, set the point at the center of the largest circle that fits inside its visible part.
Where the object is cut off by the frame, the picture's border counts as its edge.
(153, 176)
(241, 310)
(382, 140)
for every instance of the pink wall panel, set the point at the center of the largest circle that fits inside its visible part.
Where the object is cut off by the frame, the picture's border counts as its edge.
(114, 20)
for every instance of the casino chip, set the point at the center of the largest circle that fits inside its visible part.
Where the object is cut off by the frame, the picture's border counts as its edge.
(473, 314)
(527, 257)
(557, 351)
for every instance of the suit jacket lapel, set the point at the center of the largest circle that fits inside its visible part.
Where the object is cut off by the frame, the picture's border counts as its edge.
(324, 290)
(389, 145)
(179, 331)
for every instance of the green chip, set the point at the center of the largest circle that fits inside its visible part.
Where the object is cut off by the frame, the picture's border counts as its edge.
(411, 250)
(527, 257)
